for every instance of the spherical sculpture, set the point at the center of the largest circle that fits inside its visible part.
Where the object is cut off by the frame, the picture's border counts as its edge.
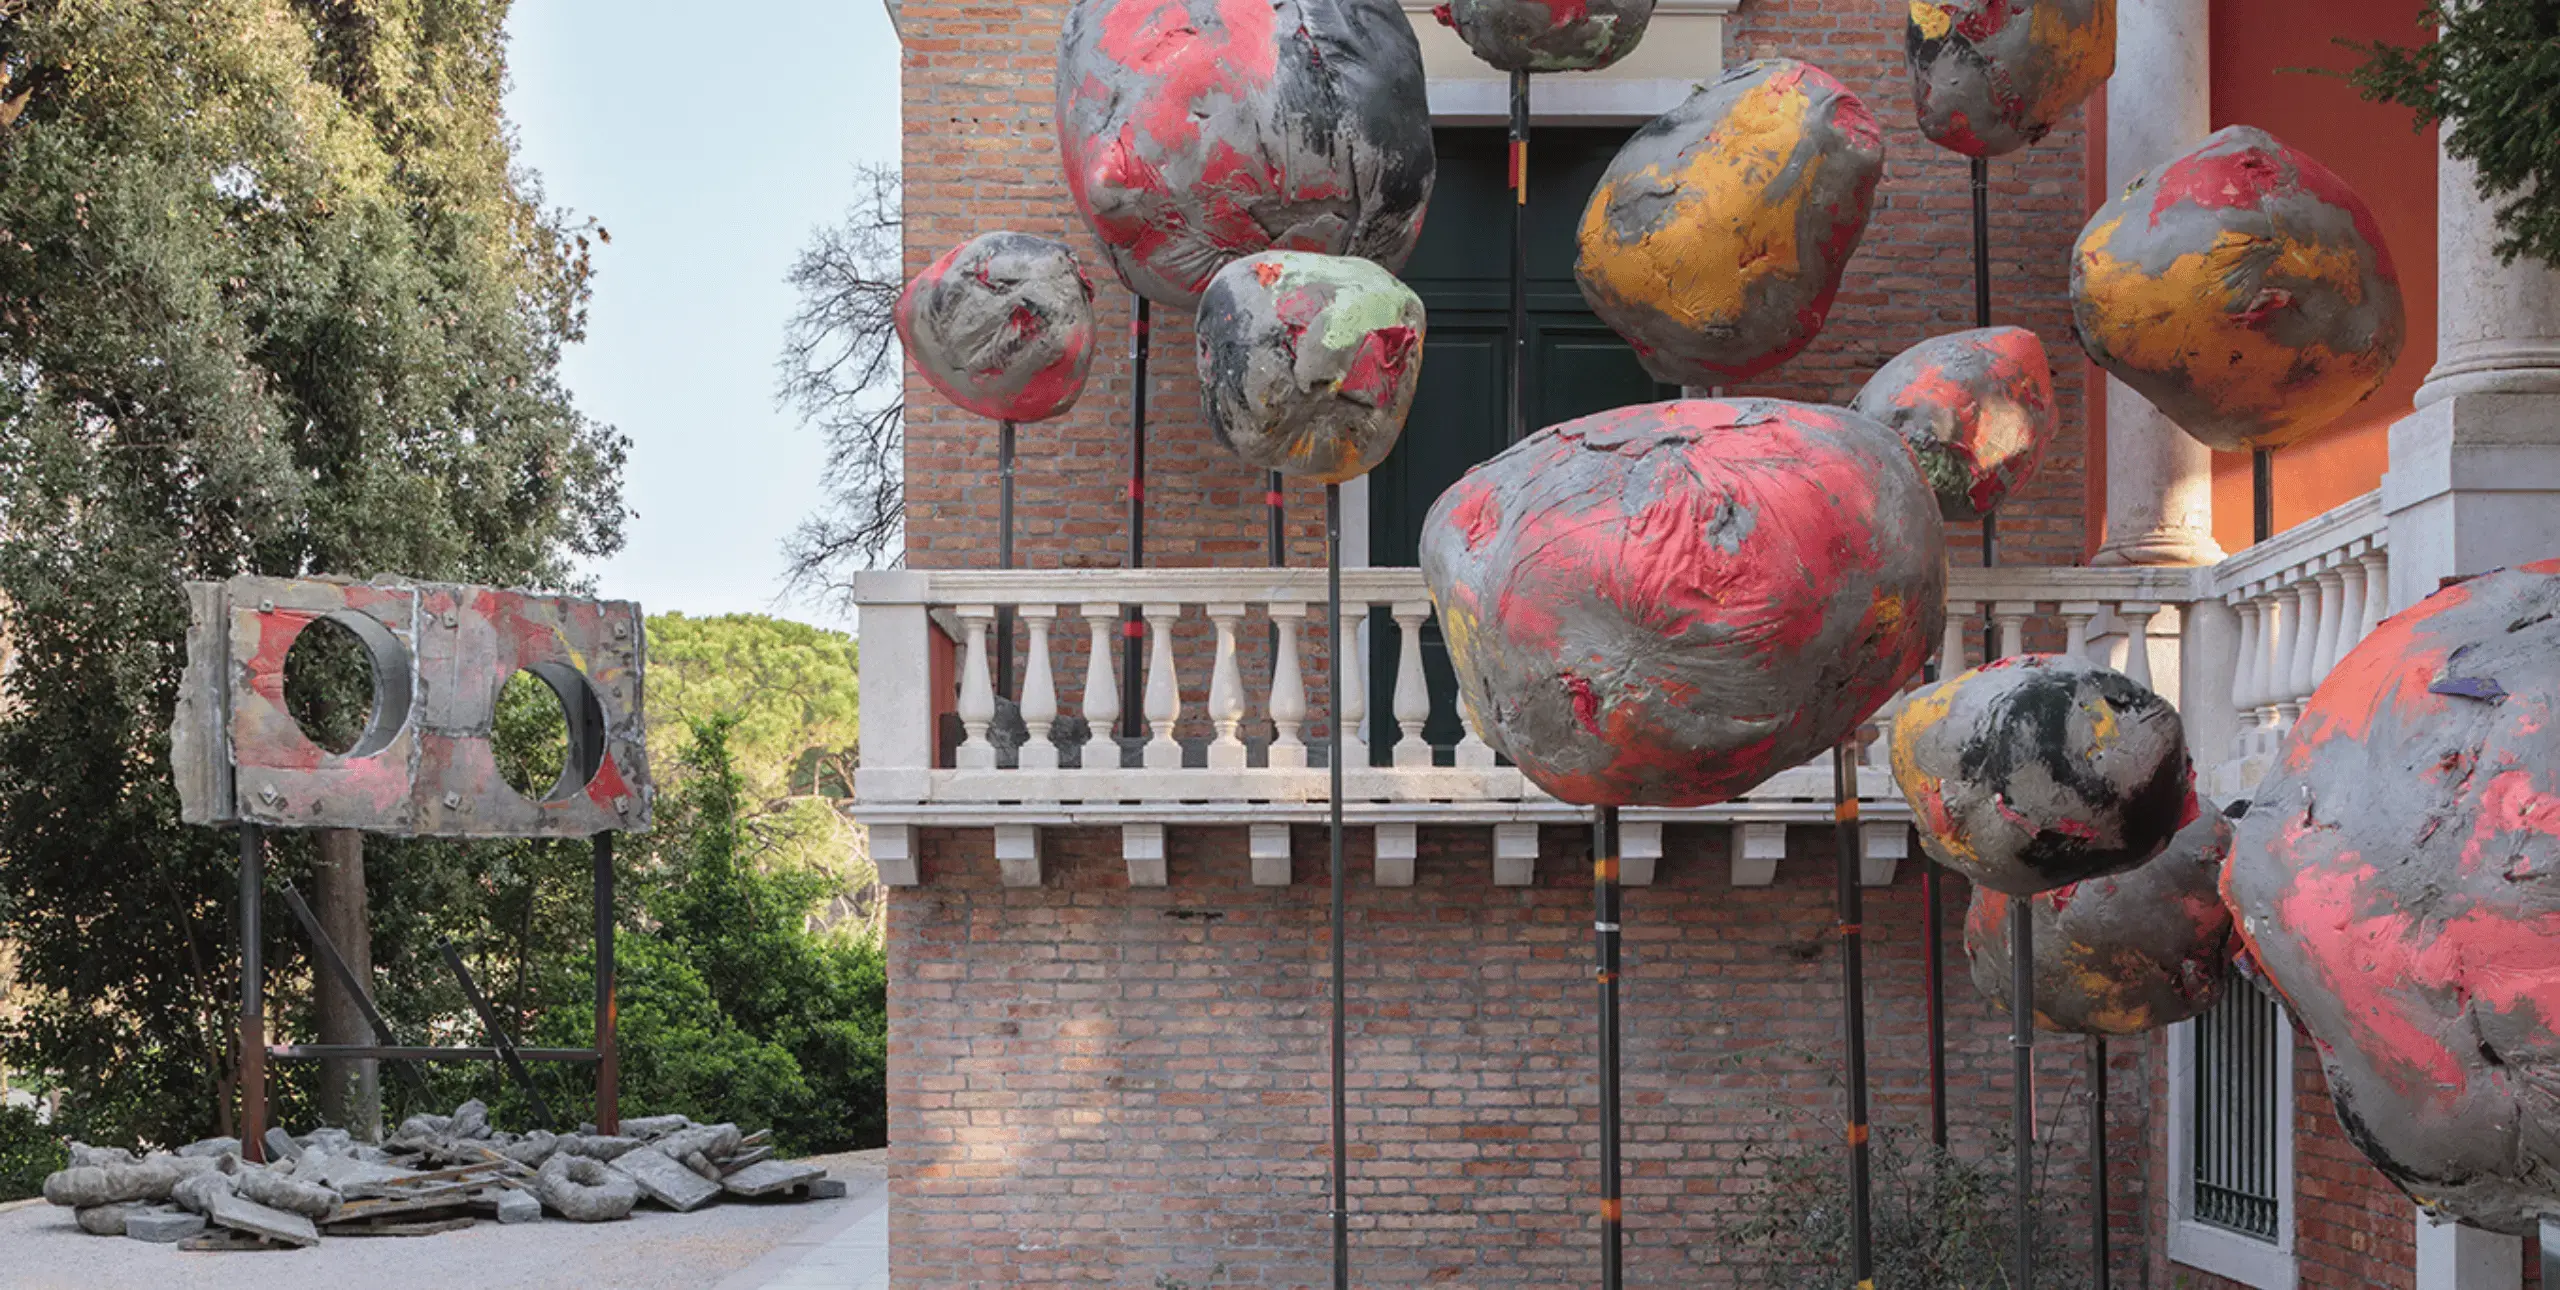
(1665, 605)
(2124, 955)
(1308, 362)
(1977, 407)
(1993, 76)
(1198, 131)
(2244, 289)
(1549, 35)
(2042, 770)
(1002, 325)
(1716, 240)
(2398, 880)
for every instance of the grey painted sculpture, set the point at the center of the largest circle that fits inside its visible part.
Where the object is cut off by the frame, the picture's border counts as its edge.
(1976, 407)
(1002, 325)
(2042, 770)
(2398, 880)
(1197, 132)
(1992, 76)
(1308, 363)
(1549, 35)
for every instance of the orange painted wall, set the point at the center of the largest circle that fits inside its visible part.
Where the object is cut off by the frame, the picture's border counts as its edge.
(2259, 50)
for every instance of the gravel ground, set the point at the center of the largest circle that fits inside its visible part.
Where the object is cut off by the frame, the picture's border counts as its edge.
(655, 1250)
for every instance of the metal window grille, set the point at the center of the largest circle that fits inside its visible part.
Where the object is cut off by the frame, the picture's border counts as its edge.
(2238, 1047)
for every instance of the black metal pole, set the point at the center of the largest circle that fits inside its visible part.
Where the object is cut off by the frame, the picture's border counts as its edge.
(499, 1038)
(1853, 997)
(608, 1050)
(2098, 1260)
(348, 981)
(1982, 318)
(1004, 555)
(1132, 630)
(2022, 1053)
(1519, 165)
(1935, 952)
(2262, 494)
(1341, 657)
(253, 1026)
(1604, 945)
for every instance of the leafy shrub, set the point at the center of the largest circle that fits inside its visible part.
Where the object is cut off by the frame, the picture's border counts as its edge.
(28, 1151)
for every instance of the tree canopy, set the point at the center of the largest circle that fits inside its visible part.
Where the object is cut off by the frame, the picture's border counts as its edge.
(2492, 75)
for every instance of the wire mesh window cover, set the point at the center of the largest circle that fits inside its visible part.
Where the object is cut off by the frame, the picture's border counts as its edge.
(2239, 1046)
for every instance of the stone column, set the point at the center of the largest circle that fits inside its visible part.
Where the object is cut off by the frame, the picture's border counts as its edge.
(2159, 481)
(2474, 483)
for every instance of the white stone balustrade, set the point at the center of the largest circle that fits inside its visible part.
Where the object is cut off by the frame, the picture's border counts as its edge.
(1233, 708)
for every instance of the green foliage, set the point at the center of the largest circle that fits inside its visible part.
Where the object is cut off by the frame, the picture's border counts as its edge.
(272, 298)
(28, 1151)
(2493, 73)
(787, 689)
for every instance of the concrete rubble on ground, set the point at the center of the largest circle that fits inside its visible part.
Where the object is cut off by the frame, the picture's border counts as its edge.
(436, 1173)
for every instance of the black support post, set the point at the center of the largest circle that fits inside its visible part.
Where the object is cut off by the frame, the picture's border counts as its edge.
(608, 1054)
(2098, 1252)
(1519, 166)
(2262, 494)
(253, 972)
(1004, 555)
(1853, 1009)
(1133, 714)
(2022, 1055)
(1340, 656)
(1605, 940)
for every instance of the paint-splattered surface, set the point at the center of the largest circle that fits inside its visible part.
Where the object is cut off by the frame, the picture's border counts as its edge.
(1977, 407)
(2398, 880)
(1715, 242)
(1992, 76)
(1308, 363)
(1665, 605)
(1002, 325)
(1549, 35)
(2122, 955)
(425, 765)
(2244, 289)
(2042, 770)
(1197, 131)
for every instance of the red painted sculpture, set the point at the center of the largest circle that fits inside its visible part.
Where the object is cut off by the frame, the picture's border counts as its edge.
(2041, 770)
(1308, 363)
(2244, 289)
(1665, 605)
(2398, 880)
(1715, 242)
(1198, 131)
(1548, 35)
(2122, 955)
(1993, 76)
(1002, 325)
(1977, 407)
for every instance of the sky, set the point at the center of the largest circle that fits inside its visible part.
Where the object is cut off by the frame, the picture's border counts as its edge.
(710, 143)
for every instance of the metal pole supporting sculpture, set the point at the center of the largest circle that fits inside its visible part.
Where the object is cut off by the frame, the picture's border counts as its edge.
(1002, 325)
(1308, 365)
(1665, 605)
(2393, 882)
(1249, 125)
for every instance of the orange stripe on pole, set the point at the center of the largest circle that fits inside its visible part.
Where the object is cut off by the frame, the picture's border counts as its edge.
(1520, 170)
(1605, 869)
(1858, 1135)
(1614, 1211)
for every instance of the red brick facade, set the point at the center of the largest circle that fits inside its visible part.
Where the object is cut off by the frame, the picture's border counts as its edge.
(1094, 1085)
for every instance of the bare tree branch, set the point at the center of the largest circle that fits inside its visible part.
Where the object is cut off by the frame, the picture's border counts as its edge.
(841, 371)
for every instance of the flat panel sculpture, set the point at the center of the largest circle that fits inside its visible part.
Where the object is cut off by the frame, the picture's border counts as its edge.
(2041, 770)
(1976, 407)
(2398, 881)
(1715, 241)
(1992, 76)
(1308, 363)
(1665, 605)
(2242, 288)
(2120, 955)
(1002, 325)
(425, 764)
(1198, 131)
(1549, 35)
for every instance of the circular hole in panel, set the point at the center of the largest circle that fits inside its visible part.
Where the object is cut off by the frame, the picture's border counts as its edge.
(549, 735)
(346, 684)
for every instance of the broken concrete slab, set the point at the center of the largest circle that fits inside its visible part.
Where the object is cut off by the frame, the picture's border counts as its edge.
(654, 1126)
(584, 1190)
(767, 1177)
(293, 1195)
(240, 1214)
(828, 1189)
(195, 1195)
(666, 1182)
(162, 1226)
(103, 1220)
(516, 1206)
(280, 1145)
(211, 1148)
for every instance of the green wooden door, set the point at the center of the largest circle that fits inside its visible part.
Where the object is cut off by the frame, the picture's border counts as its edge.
(1577, 366)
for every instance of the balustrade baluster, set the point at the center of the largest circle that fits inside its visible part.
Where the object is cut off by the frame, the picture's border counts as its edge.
(2075, 626)
(1951, 642)
(2137, 616)
(1473, 752)
(1288, 691)
(1355, 694)
(1101, 689)
(1164, 688)
(2351, 590)
(1226, 692)
(2331, 590)
(2377, 590)
(2244, 676)
(2012, 617)
(1413, 694)
(2275, 646)
(2306, 638)
(1039, 692)
(977, 689)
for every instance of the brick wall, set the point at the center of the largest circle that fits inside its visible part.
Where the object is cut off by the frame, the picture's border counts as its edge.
(1095, 1085)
